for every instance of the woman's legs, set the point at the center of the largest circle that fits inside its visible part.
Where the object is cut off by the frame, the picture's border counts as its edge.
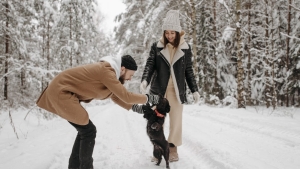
(81, 156)
(175, 116)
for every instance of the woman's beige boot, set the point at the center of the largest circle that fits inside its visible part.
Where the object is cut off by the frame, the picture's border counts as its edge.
(173, 154)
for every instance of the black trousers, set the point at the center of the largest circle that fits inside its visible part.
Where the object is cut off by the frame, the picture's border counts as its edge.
(81, 156)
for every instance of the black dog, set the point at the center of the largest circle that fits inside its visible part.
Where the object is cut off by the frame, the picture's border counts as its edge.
(156, 119)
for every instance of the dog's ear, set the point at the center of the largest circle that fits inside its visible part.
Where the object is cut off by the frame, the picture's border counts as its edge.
(167, 105)
(163, 106)
(168, 108)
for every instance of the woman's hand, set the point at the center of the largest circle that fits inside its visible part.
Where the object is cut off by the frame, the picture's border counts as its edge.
(196, 96)
(143, 87)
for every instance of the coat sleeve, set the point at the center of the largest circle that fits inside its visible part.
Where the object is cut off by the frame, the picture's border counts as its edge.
(150, 65)
(189, 74)
(117, 89)
(119, 102)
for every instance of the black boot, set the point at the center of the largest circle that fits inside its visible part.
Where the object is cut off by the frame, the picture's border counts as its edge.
(81, 156)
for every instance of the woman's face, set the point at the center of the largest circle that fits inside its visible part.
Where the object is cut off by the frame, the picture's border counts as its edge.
(170, 35)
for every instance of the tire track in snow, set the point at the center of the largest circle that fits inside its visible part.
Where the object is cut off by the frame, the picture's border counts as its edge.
(284, 135)
(213, 128)
(132, 143)
(203, 155)
(217, 152)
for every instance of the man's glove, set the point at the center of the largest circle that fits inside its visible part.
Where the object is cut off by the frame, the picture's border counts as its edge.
(137, 108)
(153, 99)
(141, 109)
(143, 87)
(196, 96)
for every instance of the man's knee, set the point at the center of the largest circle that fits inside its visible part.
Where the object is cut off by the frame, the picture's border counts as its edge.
(89, 130)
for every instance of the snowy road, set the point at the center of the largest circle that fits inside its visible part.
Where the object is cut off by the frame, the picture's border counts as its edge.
(213, 138)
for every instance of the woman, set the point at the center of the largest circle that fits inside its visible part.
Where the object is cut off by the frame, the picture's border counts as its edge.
(170, 67)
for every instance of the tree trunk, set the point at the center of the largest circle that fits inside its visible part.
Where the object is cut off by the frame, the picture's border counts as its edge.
(7, 39)
(215, 89)
(274, 93)
(194, 36)
(240, 73)
(71, 55)
(48, 48)
(268, 94)
(204, 55)
(281, 65)
(249, 89)
(288, 48)
(298, 100)
(43, 48)
(22, 77)
(76, 54)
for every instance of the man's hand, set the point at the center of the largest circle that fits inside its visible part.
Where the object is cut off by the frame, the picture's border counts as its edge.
(141, 109)
(137, 108)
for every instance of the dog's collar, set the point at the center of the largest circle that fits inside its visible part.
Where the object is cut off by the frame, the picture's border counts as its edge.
(158, 114)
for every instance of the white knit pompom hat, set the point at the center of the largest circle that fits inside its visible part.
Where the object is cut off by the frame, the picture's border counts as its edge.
(171, 22)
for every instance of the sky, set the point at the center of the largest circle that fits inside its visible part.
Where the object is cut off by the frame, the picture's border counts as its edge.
(213, 138)
(110, 9)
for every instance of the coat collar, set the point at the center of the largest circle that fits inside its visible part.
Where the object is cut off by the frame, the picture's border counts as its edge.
(178, 53)
(184, 45)
(115, 63)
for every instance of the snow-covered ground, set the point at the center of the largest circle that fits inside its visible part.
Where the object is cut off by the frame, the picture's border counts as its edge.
(213, 138)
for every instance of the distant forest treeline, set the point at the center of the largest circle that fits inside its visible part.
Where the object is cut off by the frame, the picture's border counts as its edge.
(248, 50)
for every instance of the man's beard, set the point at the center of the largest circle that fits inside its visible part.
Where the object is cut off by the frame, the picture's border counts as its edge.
(122, 79)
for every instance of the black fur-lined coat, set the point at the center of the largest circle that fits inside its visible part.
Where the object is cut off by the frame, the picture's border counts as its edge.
(158, 70)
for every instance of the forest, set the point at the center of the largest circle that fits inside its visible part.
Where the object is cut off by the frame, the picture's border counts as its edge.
(243, 50)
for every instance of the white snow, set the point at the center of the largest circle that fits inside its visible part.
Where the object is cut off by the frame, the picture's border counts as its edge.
(225, 5)
(213, 138)
(227, 34)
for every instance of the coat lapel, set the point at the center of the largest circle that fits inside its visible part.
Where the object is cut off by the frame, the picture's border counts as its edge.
(164, 51)
(178, 54)
(166, 54)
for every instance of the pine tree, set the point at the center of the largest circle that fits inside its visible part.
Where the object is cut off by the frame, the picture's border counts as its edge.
(17, 33)
(294, 78)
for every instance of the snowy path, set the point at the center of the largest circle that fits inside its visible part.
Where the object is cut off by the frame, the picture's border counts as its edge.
(213, 138)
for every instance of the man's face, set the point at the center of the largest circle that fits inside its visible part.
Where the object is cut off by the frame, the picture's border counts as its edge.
(126, 74)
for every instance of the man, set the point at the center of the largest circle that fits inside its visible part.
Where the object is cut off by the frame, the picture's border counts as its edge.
(100, 80)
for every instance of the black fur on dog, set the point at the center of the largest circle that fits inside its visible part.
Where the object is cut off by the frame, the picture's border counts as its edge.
(155, 129)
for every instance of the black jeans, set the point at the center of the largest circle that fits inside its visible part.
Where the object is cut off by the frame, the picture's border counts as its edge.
(81, 156)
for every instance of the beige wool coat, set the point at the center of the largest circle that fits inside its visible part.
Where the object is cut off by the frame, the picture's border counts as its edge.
(85, 83)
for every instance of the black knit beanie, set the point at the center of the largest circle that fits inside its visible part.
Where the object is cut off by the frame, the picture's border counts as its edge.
(128, 62)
